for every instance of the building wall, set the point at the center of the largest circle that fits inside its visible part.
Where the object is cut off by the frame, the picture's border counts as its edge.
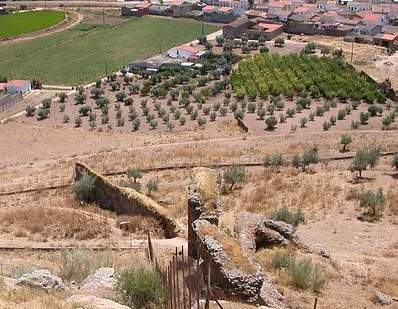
(179, 53)
(19, 89)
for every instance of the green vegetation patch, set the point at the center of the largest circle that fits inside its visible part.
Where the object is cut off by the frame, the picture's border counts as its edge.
(297, 74)
(84, 53)
(25, 22)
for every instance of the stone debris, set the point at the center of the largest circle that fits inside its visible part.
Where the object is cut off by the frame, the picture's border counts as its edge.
(102, 278)
(42, 279)
(95, 302)
(383, 299)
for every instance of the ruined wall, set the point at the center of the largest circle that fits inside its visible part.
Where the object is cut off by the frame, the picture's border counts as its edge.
(127, 201)
(203, 202)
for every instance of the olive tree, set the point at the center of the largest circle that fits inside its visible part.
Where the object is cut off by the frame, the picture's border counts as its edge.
(234, 174)
(345, 140)
(373, 202)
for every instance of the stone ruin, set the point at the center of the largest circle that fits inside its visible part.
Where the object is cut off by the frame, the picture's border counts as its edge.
(127, 201)
(233, 269)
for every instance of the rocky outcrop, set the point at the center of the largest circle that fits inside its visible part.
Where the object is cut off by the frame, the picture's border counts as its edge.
(41, 279)
(203, 202)
(127, 201)
(95, 302)
(102, 278)
(254, 231)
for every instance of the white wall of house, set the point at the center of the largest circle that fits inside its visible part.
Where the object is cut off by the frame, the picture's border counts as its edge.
(359, 6)
(179, 53)
(25, 88)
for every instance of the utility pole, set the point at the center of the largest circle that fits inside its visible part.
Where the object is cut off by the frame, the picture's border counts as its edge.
(103, 16)
(352, 51)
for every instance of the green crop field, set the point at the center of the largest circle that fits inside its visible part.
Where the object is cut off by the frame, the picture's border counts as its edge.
(25, 22)
(83, 53)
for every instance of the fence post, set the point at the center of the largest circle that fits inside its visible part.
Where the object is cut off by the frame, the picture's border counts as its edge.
(150, 248)
(207, 306)
(178, 281)
(315, 302)
(183, 277)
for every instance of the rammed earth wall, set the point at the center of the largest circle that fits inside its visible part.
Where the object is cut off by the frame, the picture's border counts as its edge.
(127, 201)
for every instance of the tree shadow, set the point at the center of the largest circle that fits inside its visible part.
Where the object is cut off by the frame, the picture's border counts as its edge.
(358, 180)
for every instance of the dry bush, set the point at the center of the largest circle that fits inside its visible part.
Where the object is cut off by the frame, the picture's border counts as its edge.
(139, 225)
(54, 222)
(77, 264)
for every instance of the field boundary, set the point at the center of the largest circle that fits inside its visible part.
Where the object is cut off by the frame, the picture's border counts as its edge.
(75, 18)
(184, 166)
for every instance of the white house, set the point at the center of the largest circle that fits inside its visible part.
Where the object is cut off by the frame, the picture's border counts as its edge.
(184, 51)
(18, 86)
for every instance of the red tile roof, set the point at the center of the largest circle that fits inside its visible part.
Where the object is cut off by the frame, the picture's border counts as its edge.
(387, 37)
(268, 27)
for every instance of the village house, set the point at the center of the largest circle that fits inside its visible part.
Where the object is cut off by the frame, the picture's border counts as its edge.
(237, 28)
(186, 51)
(218, 14)
(266, 31)
(389, 41)
(16, 86)
(140, 9)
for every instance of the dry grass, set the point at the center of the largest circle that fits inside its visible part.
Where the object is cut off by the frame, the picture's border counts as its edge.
(55, 223)
(235, 254)
(139, 225)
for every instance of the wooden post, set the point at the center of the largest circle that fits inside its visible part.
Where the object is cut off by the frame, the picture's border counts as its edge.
(208, 287)
(174, 283)
(315, 302)
(183, 277)
(150, 248)
(197, 283)
(177, 279)
(189, 280)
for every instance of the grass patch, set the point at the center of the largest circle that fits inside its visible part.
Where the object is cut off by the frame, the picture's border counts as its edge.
(82, 54)
(77, 264)
(25, 22)
(140, 288)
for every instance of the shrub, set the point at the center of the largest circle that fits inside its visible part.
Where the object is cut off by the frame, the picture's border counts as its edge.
(62, 97)
(134, 173)
(309, 157)
(84, 110)
(282, 258)
(234, 174)
(326, 126)
(279, 42)
(306, 275)
(78, 122)
(85, 188)
(363, 117)
(345, 140)
(152, 186)
(373, 202)
(364, 158)
(43, 113)
(332, 120)
(303, 122)
(65, 119)
(62, 107)
(271, 123)
(120, 96)
(140, 288)
(213, 116)
(341, 114)
(77, 264)
(273, 161)
(80, 98)
(136, 124)
(30, 111)
(291, 217)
